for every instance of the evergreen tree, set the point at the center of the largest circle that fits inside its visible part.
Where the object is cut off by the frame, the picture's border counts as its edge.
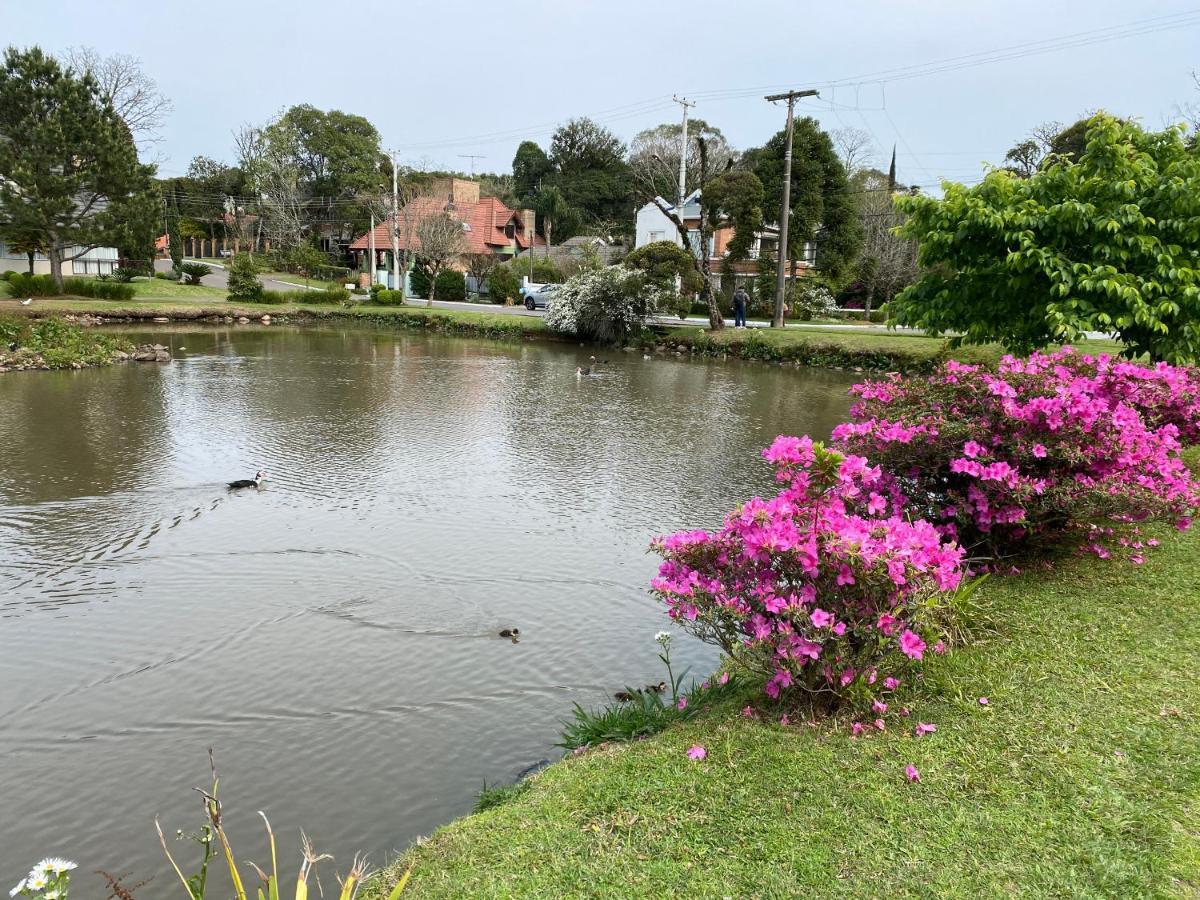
(69, 170)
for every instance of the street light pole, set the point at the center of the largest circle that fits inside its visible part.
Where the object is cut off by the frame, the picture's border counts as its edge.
(786, 206)
(396, 286)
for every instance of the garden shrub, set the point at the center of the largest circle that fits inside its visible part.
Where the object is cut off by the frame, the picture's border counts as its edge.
(450, 285)
(420, 279)
(243, 278)
(821, 589)
(329, 295)
(544, 270)
(1015, 458)
(385, 297)
(97, 290)
(194, 271)
(504, 286)
(605, 305)
(811, 301)
(22, 284)
(879, 314)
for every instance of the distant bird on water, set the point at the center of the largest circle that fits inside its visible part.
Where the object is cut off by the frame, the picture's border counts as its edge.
(254, 482)
(582, 370)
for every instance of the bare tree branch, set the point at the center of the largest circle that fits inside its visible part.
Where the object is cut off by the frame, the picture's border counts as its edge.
(134, 95)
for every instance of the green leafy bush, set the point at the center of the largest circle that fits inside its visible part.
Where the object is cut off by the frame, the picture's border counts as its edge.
(504, 286)
(385, 297)
(605, 305)
(330, 295)
(450, 285)
(812, 301)
(193, 272)
(544, 270)
(60, 344)
(22, 284)
(420, 279)
(98, 290)
(880, 314)
(243, 278)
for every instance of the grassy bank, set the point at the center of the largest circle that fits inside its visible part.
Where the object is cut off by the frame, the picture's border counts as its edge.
(1081, 777)
(54, 344)
(843, 348)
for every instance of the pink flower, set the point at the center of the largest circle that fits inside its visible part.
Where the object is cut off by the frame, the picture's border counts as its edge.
(696, 752)
(682, 704)
(839, 628)
(886, 623)
(1039, 451)
(749, 712)
(783, 720)
(875, 506)
(1152, 543)
(845, 575)
(724, 679)
(983, 701)
(856, 728)
(1137, 559)
(879, 724)
(911, 773)
(924, 728)
(820, 618)
(939, 647)
(891, 683)
(879, 706)
(911, 645)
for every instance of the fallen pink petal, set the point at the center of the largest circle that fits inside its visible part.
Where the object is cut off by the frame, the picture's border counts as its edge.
(924, 728)
(696, 752)
(911, 773)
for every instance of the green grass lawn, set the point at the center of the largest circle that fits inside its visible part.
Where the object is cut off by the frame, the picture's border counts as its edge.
(161, 289)
(1080, 778)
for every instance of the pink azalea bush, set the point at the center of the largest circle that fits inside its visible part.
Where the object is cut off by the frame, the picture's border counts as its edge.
(1007, 457)
(818, 588)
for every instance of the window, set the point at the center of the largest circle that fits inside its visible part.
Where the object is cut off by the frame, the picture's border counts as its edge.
(93, 266)
(655, 236)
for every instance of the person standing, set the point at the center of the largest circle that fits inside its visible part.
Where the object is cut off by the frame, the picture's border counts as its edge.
(740, 299)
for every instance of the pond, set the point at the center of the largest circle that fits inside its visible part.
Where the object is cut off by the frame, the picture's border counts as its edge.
(334, 636)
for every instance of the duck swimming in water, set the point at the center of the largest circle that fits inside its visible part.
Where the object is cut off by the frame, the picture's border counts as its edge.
(254, 482)
(580, 371)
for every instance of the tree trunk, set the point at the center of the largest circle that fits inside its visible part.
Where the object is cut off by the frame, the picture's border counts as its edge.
(869, 298)
(31, 254)
(433, 274)
(715, 320)
(549, 229)
(54, 253)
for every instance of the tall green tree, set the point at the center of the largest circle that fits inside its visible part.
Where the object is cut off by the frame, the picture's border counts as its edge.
(70, 179)
(530, 165)
(822, 200)
(336, 154)
(1109, 242)
(590, 170)
(554, 211)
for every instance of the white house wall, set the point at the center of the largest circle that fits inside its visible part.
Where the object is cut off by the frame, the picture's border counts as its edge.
(651, 225)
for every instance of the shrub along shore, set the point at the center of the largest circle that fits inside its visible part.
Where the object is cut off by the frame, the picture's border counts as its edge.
(840, 349)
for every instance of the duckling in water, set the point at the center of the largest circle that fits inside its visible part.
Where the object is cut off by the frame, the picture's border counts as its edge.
(513, 633)
(656, 688)
(626, 696)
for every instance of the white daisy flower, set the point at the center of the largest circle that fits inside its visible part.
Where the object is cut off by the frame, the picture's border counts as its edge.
(57, 865)
(36, 880)
(663, 637)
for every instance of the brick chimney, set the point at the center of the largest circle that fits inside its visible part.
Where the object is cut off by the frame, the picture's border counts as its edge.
(529, 222)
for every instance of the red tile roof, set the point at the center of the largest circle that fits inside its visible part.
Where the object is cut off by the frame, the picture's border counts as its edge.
(486, 219)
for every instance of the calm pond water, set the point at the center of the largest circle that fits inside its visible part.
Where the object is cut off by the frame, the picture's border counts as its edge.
(334, 636)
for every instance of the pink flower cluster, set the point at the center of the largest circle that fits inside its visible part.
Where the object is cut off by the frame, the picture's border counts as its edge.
(1000, 458)
(817, 586)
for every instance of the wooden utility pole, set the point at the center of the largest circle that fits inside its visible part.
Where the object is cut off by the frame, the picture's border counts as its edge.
(785, 209)
(396, 283)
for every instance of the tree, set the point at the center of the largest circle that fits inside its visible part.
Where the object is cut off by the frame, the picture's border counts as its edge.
(1106, 243)
(335, 154)
(480, 267)
(441, 239)
(590, 170)
(822, 203)
(1050, 139)
(654, 158)
(243, 278)
(133, 94)
(733, 204)
(1024, 158)
(530, 165)
(888, 262)
(552, 206)
(70, 179)
(738, 196)
(307, 259)
(662, 262)
(855, 148)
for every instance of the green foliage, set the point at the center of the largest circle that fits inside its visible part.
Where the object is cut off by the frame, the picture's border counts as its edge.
(605, 305)
(88, 201)
(450, 285)
(330, 295)
(307, 260)
(822, 202)
(385, 297)
(419, 278)
(530, 165)
(737, 194)
(591, 172)
(544, 271)
(98, 290)
(336, 154)
(22, 284)
(661, 262)
(58, 344)
(812, 300)
(243, 278)
(498, 794)
(504, 285)
(1107, 243)
(194, 271)
(879, 314)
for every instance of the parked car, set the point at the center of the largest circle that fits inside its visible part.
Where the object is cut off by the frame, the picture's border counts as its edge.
(540, 297)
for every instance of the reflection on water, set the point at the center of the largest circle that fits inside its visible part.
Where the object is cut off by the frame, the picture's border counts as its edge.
(334, 635)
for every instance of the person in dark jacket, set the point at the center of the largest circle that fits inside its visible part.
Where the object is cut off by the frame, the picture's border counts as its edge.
(740, 299)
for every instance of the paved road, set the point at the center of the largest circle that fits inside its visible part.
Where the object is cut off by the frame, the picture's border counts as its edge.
(220, 276)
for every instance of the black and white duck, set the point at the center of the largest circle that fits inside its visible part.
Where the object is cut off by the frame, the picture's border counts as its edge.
(254, 482)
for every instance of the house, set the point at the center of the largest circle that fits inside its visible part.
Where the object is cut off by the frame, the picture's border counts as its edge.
(97, 261)
(652, 225)
(575, 250)
(488, 226)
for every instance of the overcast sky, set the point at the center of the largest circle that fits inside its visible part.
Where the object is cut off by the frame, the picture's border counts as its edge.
(444, 78)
